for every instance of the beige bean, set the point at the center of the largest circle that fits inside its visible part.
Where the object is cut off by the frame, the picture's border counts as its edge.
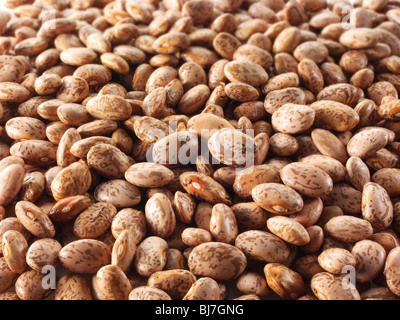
(370, 257)
(108, 161)
(150, 130)
(310, 75)
(32, 187)
(34, 219)
(206, 124)
(85, 256)
(232, 147)
(97, 128)
(348, 228)
(245, 71)
(335, 260)
(11, 177)
(94, 220)
(204, 288)
(206, 260)
(72, 114)
(252, 53)
(223, 224)
(115, 62)
(252, 283)
(112, 282)
(171, 43)
(148, 175)
(78, 56)
(14, 247)
(148, 293)
(285, 282)
(43, 252)
(262, 246)
(242, 92)
(327, 286)
(72, 287)
(109, 107)
(288, 230)
(378, 212)
(35, 152)
(329, 145)
(118, 192)
(252, 176)
(7, 275)
(362, 146)
(388, 179)
(94, 74)
(296, 175)
(359, 38)
(151, 256)
(81, 147)
(358, 172)
(28, 286)
(73, 89)
(176, 283)
(15, 69)
(196, 236)
(344, 93)
(72, 180)
(311, 212)
(204, 188)
(293, 118)
(160, 216)
(277, 198)
(378, 293)
(249, 215)
(287, 40)
(129, 218)
(13, 92)
(278, 98)
(193, 99)
(331, 166)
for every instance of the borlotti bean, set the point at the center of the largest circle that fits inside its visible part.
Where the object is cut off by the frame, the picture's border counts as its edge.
(200, 150)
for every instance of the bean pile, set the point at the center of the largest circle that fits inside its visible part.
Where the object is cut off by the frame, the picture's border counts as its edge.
(200, 149)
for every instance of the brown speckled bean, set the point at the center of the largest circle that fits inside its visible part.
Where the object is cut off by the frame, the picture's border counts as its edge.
(160, 216)
(176, 283)
(43, 252)
(72, 287)
(205, 260)
(204, 288)
(285, 282)
(288, 230)
(252, 176)
(85, 256)
(376, 206)
(94, 220)
(14, 247)
(151, 256)
(29, 286)
(293, 118)
(148, 293)
(34, 219)
(223, 225)
(334, 260)
(293, 174)
(204, 188)
(327, 286)
(348, 228)
(370, 256)
(277, 198)
(148, 175)
(262, 246)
